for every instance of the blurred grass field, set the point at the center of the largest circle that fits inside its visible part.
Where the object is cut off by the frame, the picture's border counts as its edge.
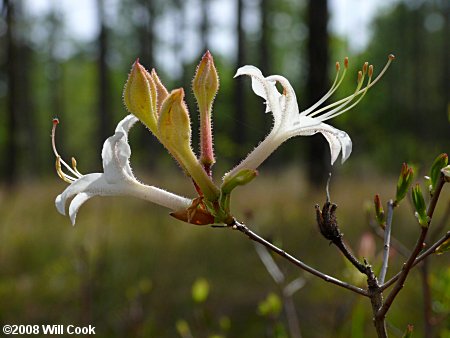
(127, 267)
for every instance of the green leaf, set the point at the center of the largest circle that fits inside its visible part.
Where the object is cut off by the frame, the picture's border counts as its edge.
(444, 247)
(440, 162)
(419, 204)
(404, 182)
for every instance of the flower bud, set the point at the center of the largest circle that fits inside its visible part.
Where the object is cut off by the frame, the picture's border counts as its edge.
(174, 132)
(205, 86)
(379, 212)
(140, 96)
(444, 247)
(241, 178)
(404, 182)
(440, 162)
(419, 205)
(161, 91)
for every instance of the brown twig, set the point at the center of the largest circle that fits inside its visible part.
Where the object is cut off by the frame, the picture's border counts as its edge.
(381, 314)
(255, 237)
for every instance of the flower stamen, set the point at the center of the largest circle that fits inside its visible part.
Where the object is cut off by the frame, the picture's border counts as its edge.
(65, 177)
(366, 69)
(332, 89)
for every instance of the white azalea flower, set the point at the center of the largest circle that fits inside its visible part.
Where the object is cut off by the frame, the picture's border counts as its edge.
(117, 178)
(289, 122)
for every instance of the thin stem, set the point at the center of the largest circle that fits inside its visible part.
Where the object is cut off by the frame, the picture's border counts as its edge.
(395, 243)
(412, 258)
(255, 237)
(419, 259)
(387, 241)
(351, 258)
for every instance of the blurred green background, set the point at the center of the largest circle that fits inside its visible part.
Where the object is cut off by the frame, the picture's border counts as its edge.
(127, 268)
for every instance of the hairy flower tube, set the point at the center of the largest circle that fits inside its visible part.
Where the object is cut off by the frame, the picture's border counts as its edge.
(116, 179)
(289, 122)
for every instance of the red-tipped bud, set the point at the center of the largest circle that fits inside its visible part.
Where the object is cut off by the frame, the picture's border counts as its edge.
(205, 86)
(404, 182)
(419, 205)
(440, 162)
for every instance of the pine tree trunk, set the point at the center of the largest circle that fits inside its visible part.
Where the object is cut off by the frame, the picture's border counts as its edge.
(317, 84)
(11, 147)
(104, 116)
(239, 133)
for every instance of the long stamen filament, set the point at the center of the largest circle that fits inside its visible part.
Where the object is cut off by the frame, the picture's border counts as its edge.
(357, 101)
(348, 99)
(391, 58)
(59, 160)
(331, 91)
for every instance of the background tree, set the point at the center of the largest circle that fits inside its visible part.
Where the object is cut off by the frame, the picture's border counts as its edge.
(317, 84)
(104, 109)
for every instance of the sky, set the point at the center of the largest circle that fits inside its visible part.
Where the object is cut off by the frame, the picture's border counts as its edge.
(348, 18)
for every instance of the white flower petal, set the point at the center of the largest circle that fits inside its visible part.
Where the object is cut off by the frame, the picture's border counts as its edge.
(266, 89)
(76, 203)
(75, 188)
(337, 139)
(116, 152)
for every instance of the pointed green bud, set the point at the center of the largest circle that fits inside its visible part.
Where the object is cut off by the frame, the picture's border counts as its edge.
(205, 86)
(440, 162)
(444, 247)
(379, 212)
(161, 91)
(404, 182)
(241, 178)
(174, 132)
(140, 96)
(174, 124)
(419, 205)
